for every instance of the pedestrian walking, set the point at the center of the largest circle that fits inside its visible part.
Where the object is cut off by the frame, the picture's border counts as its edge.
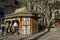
(7, 25)
(11, 28)
(16, 27)
(3, 28)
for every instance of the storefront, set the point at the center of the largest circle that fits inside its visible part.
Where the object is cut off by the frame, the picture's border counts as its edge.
(27, 21)
(57, 22)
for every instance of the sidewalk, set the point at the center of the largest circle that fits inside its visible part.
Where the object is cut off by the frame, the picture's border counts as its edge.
(35, 36)
(52, 35)
(55, 29)
(23, 37)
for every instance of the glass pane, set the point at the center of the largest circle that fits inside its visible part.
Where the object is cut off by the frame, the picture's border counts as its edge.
(25, 18)
(28, 32)
(6, 10)
(28, 29)
(24, 32)
(24, 23)
(28, 22)
(23, 29)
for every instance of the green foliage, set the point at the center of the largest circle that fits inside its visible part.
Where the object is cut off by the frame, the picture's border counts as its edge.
(56, 5)
(23, 2)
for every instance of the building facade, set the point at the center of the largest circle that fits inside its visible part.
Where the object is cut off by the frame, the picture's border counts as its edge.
(56, 17)
(1, 10)
(6, 7)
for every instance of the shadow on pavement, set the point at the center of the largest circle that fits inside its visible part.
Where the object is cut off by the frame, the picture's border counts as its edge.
(35, 38)
(40, 29)
(25, 37)
(39, 36)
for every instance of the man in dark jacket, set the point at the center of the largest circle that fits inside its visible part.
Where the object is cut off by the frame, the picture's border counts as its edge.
(3, 28)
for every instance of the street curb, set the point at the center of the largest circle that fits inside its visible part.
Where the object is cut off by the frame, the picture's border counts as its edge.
(33, 37)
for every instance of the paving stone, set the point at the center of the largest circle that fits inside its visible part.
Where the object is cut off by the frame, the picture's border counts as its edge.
(52, 35)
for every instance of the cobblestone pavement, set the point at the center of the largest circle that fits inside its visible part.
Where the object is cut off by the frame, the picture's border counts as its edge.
(14, 37)
(19, 37)
(52, 35)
